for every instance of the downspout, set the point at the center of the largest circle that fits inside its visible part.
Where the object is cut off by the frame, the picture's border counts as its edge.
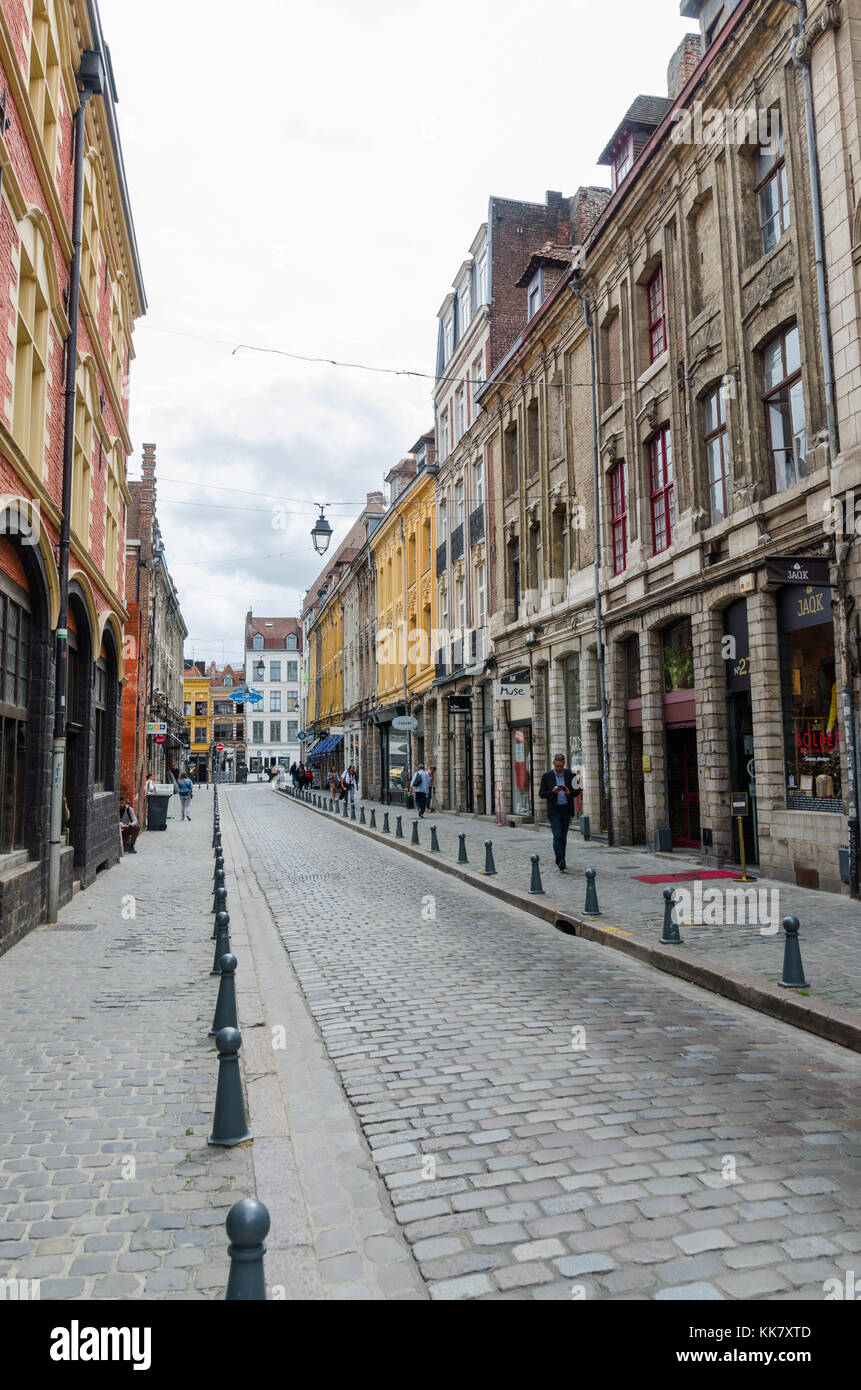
(576, 289)
(90, 84)
(802, 62)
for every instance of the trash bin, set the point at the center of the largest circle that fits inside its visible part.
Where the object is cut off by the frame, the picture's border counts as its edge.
(156, 811)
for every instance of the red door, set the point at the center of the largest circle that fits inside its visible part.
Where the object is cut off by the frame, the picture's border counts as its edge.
(683, 788)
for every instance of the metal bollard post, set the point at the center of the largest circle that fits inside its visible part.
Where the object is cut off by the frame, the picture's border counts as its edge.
(793, 970)
(461, 849)
(591, 909)
(373, 825)
(399, 829)
(670, 935)
(222, 941)
(362, 820)
(219, 883)
(414, 837)
(225, 1005)
(219, 864)
(229, 1125)
(352, 810)
(489, 866)
(220, 899)
(434, 844)
(535, 883)
(247, 1227)
(386, 829)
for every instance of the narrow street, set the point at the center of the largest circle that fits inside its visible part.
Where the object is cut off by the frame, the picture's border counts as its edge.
(551, 1120)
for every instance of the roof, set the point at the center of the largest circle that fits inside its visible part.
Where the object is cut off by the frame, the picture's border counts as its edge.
(548, 254)
(274, 632)
(645, 113)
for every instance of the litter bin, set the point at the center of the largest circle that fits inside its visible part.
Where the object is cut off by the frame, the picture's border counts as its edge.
(156, 811)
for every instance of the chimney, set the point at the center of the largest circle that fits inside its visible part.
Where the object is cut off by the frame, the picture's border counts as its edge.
(683, 64)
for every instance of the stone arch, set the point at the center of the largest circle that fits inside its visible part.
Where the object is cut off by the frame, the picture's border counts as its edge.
(26, 512)
(86, 597)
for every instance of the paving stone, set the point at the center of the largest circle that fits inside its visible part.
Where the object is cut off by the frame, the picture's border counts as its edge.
(751, 1283)
(573, 1265)
(697, 1241)
(690, 1293)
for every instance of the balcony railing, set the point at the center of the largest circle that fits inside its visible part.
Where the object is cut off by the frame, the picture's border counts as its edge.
(440, 559)
(456, 543)
(476, 525)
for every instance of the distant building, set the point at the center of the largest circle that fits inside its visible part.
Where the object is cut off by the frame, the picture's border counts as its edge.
(228, 719)
(273, 656)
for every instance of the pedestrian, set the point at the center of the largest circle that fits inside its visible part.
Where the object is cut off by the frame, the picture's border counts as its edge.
(348, 783)
(128, 826)
(186, 791)
(420, 785)
(150, 791)
(334, 785)
(557, 788)
(294, 777)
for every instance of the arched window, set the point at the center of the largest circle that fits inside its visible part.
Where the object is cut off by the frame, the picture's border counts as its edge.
(86, 405)
(291, 642)
(31, 344)
(228, 682)
(258, 642)
(44, 84)
(14, 698)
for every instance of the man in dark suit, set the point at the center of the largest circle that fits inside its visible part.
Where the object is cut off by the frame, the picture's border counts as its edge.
(558, 790)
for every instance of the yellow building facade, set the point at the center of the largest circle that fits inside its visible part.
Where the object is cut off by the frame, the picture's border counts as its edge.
(331, 651)
(404, 547)
(197, 711)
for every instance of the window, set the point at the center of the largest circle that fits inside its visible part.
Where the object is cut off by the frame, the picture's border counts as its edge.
(657, 322)
(662, 499)
(186, 709)
(292, 670)
(459, 494)
(14, 699)
(808, 676)
(292, 702)
(480, 597)
(482, 279)
(90, 225)
(292, 731)
(85, 414)
(460, 414)
(443, 521)
(102, 768)
(784, 409)
(448, 336)
(678, 656)
(623, 159)
(477, 384)
(200, 733)
(240, 730)
(228, 682)
(445, 632)
(222, 733)
(118, 347)
(510, 460)
(258, 642)
(772, 191)
(222, 707)
(619, 517)
(515, 577)
(44, 86)
(464, 308)
(275, 701)
(201, 709)
(717, 453)
(479, 482)
(31, 346)
(290, 644)
(112, 502)
(533, 295)
(275, 731)
(257, 731)
(445, 438)
(275, 670)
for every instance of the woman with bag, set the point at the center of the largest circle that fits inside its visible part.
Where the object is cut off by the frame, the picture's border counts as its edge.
(186, 791)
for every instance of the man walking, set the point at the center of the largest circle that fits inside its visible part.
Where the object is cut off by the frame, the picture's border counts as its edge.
(557, 788)
(348, 782)
(421, 786)
(186, 789)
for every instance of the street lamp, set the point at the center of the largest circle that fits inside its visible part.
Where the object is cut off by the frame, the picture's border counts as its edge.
(322, 532)
(259, 670)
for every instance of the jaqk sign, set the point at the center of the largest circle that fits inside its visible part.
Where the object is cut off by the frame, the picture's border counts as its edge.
(796, 569)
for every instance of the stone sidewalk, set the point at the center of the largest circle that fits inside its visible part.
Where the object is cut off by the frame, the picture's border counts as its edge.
(830, 934)
(108, 1188)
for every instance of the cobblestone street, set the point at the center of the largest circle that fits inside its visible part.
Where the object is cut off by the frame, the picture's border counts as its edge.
(552, 1119)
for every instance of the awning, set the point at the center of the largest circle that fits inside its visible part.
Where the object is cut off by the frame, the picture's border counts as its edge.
(324, 746)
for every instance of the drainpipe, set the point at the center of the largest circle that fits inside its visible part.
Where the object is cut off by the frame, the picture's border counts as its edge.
(89, 84)
(575, 285)
(802, 62)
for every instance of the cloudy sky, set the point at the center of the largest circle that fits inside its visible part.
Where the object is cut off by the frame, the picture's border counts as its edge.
(309, 178)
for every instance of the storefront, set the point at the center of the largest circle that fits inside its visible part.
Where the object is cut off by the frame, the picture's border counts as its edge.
(808, 682)
(634, 732)
(683, 790)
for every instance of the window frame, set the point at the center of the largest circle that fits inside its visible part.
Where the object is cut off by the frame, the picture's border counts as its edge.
(618, 486)
(775, 173)
(719, 433)
(14, 717)
(657, 321)
(770, 397)
(662, 496)
(623, 160)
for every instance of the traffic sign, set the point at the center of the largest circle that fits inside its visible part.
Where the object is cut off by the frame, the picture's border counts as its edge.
(161, 738)
(156, 728)
(219, 747)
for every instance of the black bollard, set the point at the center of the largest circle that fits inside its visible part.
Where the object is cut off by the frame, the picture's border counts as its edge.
(489, 866)
(225, 1005)
(793, 970)
(331, 804)
(535, 884)
(386, 830)
(219, 883)
(434, 848)
(399, 829)
(414, 837)
(345, 810)
(373, 825)
(247, 1227)
(670, 935)
(229, 1125)
(352, 811)
(461, 849)
(362, 816)
(591, 909)
(219, 864)
(220, 899)
(222, 941)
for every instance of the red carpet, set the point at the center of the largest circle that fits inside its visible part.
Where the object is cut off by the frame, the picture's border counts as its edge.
(684, 878)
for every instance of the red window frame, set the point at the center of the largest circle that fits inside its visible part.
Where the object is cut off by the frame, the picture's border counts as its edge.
(619, 517)
(623, 159)
(657, 317)
(661, 490)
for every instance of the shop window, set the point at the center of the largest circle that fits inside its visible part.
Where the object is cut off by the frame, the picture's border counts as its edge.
(784, 409)
(716, 441)
(678, 656)
(14, 697)
(662, 491)
(619, 517)
(809, 691)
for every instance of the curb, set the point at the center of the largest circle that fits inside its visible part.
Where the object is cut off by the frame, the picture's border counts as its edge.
(827, 1021)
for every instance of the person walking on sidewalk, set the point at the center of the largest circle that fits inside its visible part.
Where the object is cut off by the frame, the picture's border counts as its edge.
(129, 826)
(348, 784)
(150, 791)
(557, 788)
(186, 790)
(421, 785)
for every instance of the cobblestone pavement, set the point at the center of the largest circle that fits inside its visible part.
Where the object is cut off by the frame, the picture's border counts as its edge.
(108, 1188)
(552, 1119)
(830, 922)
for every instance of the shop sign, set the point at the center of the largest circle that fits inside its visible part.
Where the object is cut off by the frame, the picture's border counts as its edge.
(806, 606)
(459, 702)
(792, 569)
(404, 723)
(512, 690)
(156, 728)
(739, 804)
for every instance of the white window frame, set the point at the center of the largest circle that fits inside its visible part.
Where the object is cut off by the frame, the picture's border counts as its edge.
(479, 482)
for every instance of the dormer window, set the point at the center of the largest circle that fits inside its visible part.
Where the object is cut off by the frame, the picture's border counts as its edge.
(258, 642)
(465, 308)
(534, 294)
(623, 159)
(291, 642)
(448, 336)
